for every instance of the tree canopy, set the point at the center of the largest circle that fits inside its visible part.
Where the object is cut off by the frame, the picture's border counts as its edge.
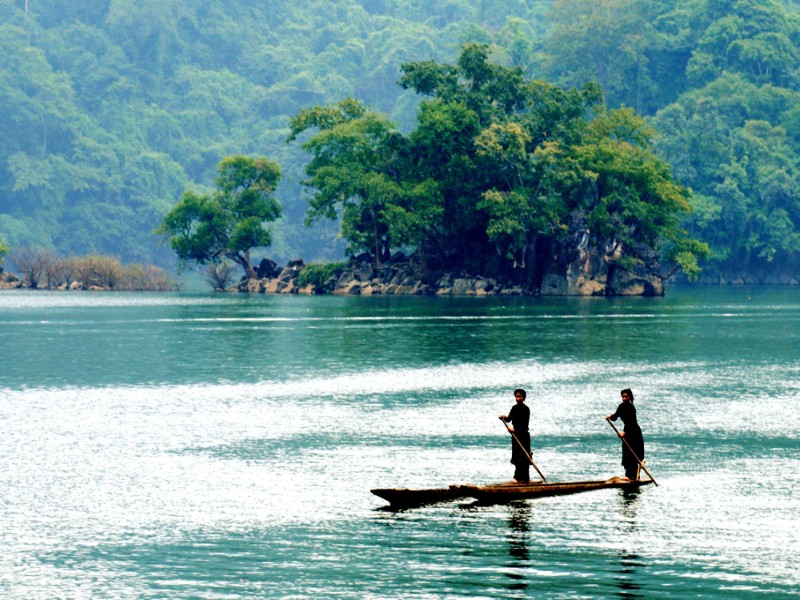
(719, 80)
(499, 170)
(113, 108)
(229, 223)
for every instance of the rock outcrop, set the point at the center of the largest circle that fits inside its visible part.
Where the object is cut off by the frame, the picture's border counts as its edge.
(587, 275)
(9, 281)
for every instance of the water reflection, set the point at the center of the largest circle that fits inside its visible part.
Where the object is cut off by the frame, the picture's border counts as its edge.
(519, 529)
(628, 574)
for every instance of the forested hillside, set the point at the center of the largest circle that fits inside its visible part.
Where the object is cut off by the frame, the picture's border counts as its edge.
(112, 109)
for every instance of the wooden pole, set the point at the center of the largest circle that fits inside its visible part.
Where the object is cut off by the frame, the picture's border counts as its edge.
(524, 451)
(641, 464)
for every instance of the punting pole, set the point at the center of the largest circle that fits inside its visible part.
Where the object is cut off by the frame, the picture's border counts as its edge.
(524, 451)
(641, 464)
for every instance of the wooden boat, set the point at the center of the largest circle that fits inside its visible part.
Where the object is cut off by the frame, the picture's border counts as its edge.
(516, 491)
(406, 498)
(499, 492)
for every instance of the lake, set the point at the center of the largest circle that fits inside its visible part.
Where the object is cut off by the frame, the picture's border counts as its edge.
(185, 445)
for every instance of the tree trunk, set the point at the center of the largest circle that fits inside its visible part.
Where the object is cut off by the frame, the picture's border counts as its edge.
(244, 261)
(386, 248)
(538, 257)
(376, 238)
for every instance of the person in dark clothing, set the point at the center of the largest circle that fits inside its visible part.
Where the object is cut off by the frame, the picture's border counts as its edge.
(632, 434)
(519, 416)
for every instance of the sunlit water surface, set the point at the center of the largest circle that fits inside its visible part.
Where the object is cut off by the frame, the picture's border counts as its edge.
(223, 446)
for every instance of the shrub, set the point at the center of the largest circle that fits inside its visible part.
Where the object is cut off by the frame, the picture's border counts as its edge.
(319, 274)
(96, 270)
(3, 253)
(220, 275)
(33, 264)
(42, 268)
(146, 278)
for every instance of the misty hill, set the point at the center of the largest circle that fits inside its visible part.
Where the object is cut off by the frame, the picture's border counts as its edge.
(113, 108)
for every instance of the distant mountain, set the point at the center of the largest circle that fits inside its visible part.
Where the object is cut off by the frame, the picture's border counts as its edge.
(113, 108)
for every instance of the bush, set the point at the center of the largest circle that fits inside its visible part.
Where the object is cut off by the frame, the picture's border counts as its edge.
(96, 270)
(220, 275)
(146, 278)
(60, 272)
(319, 274)
(3, 253)
(33, 264)
(42, 268)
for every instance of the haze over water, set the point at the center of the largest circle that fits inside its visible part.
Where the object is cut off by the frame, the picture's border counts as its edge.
(223, 446)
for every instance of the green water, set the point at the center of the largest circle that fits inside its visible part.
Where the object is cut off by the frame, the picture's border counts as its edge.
(223, 446)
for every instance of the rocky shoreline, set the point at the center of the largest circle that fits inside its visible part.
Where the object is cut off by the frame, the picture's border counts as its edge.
(402, 276)
(588, 276)
(9, 281)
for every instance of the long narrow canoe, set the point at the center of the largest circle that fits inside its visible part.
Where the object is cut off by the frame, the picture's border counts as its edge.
(406, 498)
(499, 492)
(506, 492)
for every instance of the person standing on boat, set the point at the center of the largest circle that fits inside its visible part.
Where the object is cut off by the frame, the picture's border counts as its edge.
(519, 416)
(633, 451)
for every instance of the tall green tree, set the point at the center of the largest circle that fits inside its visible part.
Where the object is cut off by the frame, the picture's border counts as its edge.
(630, 204)
(734, 144)
(358, 174)
(232, 221)
(497, 166)
(459, 101)
(606, 41)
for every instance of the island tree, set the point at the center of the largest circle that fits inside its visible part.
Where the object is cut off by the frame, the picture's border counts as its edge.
(509, 173)
(229, 222)
(359, 175)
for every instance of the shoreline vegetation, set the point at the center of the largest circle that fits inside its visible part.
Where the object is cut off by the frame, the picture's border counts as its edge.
(39, 269)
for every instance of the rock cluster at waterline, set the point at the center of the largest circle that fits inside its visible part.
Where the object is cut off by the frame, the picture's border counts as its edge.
(406, 277)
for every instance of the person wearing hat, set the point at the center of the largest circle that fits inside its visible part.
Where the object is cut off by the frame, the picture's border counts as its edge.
(519, 416)
(633, 450)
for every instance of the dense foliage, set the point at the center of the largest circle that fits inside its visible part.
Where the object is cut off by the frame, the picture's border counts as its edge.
(318, 274)
(720, 79)
(112, 109)
(500, 172)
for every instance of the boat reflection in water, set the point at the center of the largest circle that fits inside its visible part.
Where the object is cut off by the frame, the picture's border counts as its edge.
(630, 564)
(519, 533)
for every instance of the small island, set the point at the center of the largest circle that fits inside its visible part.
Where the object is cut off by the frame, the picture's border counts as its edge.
(505, 186)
